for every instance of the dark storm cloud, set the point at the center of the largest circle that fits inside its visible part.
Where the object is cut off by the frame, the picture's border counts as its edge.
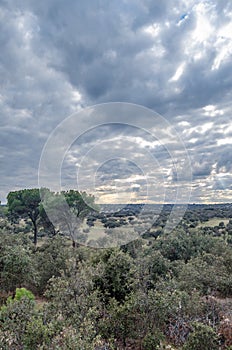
(57, 57)
(104, 51)
(107, 55)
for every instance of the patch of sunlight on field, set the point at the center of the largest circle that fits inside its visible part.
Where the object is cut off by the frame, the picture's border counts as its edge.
(214, 222)
(95, 232)
(111, 236)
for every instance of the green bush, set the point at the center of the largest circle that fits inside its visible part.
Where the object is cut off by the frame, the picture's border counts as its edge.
(202, 338)
(20, 294)
(23, 292)
(50, 260)
(82, 339)
(14, 317)
(37, 333)
(17, 267)
(152, 340)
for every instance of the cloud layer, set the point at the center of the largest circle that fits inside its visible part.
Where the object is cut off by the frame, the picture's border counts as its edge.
(172, 57)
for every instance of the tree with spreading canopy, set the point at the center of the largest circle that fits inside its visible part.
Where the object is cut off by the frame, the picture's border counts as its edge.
(25, 204)
(67, 210)
(62, 211)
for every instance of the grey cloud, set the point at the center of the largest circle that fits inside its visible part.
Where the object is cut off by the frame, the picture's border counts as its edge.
(224, 161)
(202, 169)
(81, 38)
(52, 51)
(222, 183)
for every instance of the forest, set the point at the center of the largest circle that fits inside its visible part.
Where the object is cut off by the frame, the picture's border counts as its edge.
(163, 290)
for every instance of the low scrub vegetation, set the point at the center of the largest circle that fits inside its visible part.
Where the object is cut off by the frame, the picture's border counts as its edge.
(173, 291)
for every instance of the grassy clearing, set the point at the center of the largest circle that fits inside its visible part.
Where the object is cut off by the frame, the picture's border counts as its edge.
(214, 222)
(125, 233)
(96, 231)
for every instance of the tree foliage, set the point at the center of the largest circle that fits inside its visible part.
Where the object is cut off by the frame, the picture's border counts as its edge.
(25, 204)
(67, 211)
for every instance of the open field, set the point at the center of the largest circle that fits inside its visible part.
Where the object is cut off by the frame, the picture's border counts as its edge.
(214, 222)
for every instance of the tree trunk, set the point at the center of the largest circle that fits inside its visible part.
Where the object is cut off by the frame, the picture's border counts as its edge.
(75, 244)
(35, 232)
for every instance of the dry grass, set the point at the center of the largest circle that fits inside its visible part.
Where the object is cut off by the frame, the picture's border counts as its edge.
(214, 222)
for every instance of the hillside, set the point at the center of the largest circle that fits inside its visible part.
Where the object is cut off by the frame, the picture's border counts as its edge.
(164, 290)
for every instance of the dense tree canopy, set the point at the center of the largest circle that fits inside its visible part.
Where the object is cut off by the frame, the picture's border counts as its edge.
(25, 204)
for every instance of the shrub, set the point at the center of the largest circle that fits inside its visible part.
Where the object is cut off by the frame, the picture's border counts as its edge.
(14, 317)
(152, 340)
(39, 333)
(23, 292)
(202, 338)
(17, 267)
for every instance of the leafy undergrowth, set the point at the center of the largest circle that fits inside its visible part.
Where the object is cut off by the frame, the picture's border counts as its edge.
(173, 292)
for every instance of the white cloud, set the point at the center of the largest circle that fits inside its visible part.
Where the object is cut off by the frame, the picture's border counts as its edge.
(225, 141)
(204, 28)
(212, 111)
(153, 29)
(178, 73)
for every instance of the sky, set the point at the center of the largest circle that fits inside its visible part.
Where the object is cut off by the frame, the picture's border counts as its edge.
(159, 75)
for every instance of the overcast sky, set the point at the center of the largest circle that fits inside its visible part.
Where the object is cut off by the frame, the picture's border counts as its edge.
(173, 57)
